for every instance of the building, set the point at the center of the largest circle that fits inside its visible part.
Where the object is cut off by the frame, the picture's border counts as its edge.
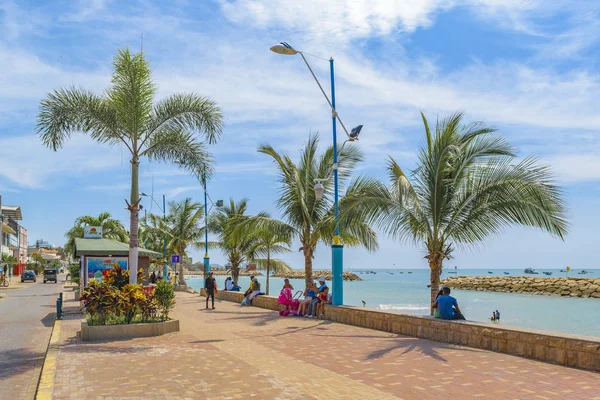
(13, 237)
(23, 255)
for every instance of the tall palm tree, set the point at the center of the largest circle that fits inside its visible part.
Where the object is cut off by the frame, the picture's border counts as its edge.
(127, 115)
(111, 229)
(311, 220)
(466, 187)
(183, 228)
(267, 242)
(234, 238)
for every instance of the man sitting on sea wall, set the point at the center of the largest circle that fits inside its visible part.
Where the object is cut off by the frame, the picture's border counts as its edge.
(448, 306)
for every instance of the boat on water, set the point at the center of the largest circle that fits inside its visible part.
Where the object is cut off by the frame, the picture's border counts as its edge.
(563, 270)
(506, 273)
(409, 272)
(490, 272)
(583, 272)
(547, 273)
(530, 271)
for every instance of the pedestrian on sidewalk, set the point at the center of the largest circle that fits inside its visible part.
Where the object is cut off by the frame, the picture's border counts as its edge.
(211, 286)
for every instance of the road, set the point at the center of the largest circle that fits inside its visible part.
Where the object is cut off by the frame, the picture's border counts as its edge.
(26, 319)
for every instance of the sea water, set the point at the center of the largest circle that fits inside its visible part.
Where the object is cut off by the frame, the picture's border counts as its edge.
(406, 291)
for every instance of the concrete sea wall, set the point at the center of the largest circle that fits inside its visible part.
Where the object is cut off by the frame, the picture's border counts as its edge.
(564, 349)
(572, 287)
(299, 274)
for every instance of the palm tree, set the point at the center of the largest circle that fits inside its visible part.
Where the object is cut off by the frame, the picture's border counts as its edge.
(150, 234)
(111, 229)
(466, 187)
(127, 115)
(183, 228)
(311, 220)
(234, 238)
(268, 241)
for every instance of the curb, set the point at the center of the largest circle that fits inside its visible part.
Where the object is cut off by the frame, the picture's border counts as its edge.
(46, 384)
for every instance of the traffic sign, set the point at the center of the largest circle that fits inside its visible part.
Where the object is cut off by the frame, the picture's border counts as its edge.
(175, 259)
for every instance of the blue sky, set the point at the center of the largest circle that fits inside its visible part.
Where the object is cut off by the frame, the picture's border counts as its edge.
(529, 68)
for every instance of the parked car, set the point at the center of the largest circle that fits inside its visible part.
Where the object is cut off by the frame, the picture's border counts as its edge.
(28, 275)
(50, 275)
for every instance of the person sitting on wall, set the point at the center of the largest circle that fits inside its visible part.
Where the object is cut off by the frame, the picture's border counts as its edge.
(251, 287)
(229, 285)
(436, 310)
(312, 312)
(323, 298)
(448, 305)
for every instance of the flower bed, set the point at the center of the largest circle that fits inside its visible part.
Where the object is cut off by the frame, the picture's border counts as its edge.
(113, 301)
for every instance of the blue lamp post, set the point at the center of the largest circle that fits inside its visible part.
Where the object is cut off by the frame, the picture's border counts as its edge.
(206, 258)
(337, 249)
(164, 211)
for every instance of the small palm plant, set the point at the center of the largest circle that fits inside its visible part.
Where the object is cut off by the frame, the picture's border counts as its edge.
(467, 186)
(127, 115)
(233, 239)
(311, 220)
(111, 229)
(267, 242)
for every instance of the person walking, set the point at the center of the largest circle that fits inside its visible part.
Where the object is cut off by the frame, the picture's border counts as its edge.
(211, 286)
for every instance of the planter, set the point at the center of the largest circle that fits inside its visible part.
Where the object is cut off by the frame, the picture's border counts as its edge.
(126, 331)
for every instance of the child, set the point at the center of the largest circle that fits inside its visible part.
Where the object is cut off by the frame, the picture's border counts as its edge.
(323, 298)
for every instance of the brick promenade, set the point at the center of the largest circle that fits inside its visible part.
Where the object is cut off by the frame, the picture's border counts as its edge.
(251, 353)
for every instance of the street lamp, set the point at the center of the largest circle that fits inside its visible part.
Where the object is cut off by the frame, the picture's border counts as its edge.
(337, 249)
(206, 210)
(164, 210)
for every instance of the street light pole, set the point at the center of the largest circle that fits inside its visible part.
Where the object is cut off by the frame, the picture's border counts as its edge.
(337, 249)
(206, 258)
(166, 266)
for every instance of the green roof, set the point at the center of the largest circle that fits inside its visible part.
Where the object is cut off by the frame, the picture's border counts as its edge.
(108, 247)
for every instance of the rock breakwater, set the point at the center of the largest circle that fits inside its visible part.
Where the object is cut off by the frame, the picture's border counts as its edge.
(571, 287)
(299, 274)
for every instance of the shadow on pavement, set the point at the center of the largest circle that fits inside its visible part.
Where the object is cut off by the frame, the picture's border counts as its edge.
(16, 362)
(48, 320)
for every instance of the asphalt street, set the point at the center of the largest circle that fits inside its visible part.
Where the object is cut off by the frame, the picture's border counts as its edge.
(27, 317)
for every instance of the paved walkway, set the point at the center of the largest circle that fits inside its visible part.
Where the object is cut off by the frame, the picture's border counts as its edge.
(26, 319)
(242, 353)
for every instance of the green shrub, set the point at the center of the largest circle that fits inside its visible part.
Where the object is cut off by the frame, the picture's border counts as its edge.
(74, 270)
(164, 294)
(111, 301)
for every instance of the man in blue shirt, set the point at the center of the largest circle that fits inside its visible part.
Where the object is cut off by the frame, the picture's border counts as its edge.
(312, 308)
(448, 306)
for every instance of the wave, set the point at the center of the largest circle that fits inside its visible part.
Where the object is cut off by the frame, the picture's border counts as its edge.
(411, 307)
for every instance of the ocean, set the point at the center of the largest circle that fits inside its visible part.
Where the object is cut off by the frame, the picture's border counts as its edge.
(406, 291)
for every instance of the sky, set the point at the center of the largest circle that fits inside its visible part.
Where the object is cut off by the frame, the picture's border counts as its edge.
(527, 68)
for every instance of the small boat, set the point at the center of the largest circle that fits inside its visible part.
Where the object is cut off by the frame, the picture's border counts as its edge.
(506, 273)
(583, 272)
(401, 272)
(411, 272)
(530, 271)
(547, 273)
(563, 270)
(490, 272)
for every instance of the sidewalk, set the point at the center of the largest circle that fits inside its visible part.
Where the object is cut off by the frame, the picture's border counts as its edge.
(240, 353)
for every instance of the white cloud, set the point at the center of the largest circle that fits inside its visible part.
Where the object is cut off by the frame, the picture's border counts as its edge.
(342, 19)
(574, 168)
(27, 163)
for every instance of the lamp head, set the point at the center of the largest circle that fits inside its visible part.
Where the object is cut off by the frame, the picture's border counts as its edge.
(143, 194)
(284, 48)
(355, 132)
(219, 203)
(319, 190)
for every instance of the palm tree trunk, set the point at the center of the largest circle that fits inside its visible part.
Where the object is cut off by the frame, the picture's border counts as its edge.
(235, 273)
(435, 264)
(134, 220)
(308, 272)
(268, 268)
(182, 281)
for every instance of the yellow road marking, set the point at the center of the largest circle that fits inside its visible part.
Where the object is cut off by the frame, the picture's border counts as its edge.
(46, 386)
